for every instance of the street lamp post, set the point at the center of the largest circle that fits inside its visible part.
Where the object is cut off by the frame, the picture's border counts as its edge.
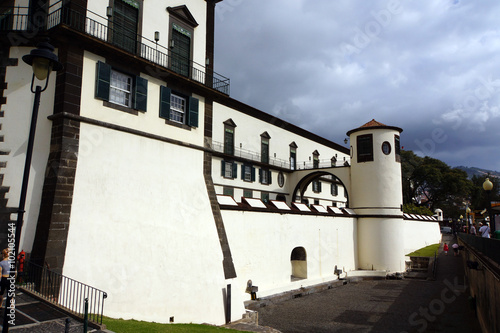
(488, 186)
(467, 216)
(43, 60)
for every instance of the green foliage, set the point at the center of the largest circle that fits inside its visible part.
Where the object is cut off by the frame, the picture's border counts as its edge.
(437, 184)
(134, 326)
(427, 251)
(414, 209)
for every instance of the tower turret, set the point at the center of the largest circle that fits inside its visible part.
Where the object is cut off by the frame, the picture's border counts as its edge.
(377, 196)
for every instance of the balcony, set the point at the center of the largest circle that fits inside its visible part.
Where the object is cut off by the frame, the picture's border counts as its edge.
(273, 161)
(17, 18)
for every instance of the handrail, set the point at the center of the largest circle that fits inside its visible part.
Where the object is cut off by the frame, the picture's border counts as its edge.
(255, 156)
(489, 247)
(86, 21)
(62, 291)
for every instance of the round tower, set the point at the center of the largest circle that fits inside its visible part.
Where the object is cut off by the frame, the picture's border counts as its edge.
(377, 196)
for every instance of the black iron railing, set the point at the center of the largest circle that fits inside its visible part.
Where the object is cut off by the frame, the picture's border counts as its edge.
(63, 291)
(82, 20)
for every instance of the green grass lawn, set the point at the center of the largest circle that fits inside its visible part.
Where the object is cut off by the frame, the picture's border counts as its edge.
(427, 251)
(134, 326)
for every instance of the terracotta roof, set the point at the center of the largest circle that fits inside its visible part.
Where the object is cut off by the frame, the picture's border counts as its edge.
(372, 123)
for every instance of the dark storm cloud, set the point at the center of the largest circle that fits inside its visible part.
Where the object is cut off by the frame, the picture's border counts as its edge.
(430, 68)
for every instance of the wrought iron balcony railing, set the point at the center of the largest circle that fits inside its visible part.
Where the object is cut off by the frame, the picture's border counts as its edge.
(254, 156)
(17, 18)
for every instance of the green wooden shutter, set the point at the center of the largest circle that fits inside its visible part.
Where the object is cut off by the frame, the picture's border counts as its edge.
(103, 79)
(260, 175)
(319, 186)
(165, 93)
(270, 180)
(223, 168)
(242, 172)
(140, 94)
(235, 170)
(193, 112)
(253, 174)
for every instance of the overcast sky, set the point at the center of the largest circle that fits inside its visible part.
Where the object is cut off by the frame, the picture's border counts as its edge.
(429, 67)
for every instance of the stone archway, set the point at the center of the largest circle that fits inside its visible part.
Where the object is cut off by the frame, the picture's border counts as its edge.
(302, 184)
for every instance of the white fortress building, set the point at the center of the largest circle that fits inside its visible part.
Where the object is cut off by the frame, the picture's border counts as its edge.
(148, 181)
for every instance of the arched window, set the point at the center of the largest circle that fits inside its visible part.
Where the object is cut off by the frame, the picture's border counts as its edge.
(299, 263)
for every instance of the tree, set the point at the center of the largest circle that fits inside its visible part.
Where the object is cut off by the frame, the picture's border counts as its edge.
(431, 182)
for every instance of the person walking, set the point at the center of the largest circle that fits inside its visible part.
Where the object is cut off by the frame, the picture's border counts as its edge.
(445, 249)
(455, 249)
(484, 231)
(473, 229)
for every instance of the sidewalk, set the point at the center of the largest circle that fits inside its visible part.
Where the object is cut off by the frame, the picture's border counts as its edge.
(408, 305)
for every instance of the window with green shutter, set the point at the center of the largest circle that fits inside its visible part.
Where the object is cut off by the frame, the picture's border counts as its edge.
(229, 169)
(247, 173)
(119, 88)
(178, 108)
(265, 176)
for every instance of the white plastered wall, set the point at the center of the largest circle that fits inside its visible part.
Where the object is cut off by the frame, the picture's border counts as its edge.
(262, 243)
(15, 129)
(148, 122)
(142, 230)
(419, 234)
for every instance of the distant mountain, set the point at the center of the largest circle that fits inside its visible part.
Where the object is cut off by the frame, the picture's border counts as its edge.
(471, 171)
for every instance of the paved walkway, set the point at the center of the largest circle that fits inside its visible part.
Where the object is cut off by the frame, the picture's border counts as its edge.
(439, 305)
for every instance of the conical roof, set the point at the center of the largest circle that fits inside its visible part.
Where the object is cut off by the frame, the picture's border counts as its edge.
(373, 124)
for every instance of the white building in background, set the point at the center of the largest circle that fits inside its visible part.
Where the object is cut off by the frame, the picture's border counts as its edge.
(151, 183)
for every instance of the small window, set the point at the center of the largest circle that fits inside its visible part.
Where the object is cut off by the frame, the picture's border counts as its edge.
(265, 176)
(365, 148)
(229, 127)
(316, 201)
(316, 186)
(247, 193)
(315, 159)
(264, 196)
(334, 189)
(334, 161)
(228, 191)
(386, 148)
(264, 147)
(281, 179)
(229, 169)
(120, 89)
(397, 148)
(178, 108)
(247, 173)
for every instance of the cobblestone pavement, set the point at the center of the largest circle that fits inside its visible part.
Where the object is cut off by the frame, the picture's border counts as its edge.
(439, 305)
